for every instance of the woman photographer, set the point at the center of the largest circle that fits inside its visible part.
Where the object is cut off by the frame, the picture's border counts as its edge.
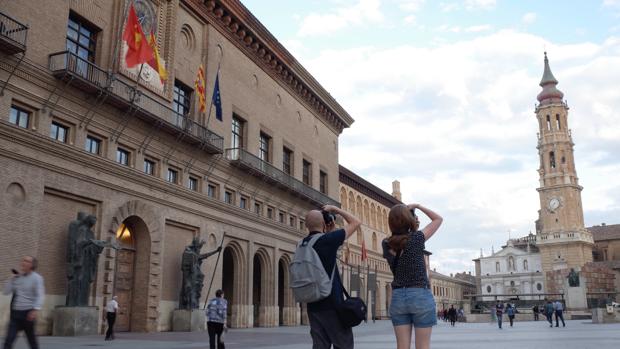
(412, 304)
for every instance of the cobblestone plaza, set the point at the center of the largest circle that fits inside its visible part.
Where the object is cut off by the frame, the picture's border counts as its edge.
(524, 335)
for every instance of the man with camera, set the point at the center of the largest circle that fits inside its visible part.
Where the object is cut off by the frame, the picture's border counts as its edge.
(28, 292)
(325, 327)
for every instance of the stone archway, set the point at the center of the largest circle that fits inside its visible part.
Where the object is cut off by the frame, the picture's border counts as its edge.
(287, 310)
(146, 223)
(133, 256)
(265, 313)
(234, 285)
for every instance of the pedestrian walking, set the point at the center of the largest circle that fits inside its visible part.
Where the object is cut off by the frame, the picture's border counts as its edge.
(413, 306)
(445, 315)
(216, 320)
(549, 312)
(510, 311)
(110, 313)
(535, 312)
(326, 328)
(499, 311)
(461, 315)
(28, 292)
(558, 307)
(452, 315)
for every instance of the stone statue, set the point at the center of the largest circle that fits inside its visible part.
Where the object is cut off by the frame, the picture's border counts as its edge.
(573, 278)
(193, 277)
(82, 255)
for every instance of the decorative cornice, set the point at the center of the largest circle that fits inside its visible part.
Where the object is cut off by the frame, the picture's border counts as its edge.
(348, 177)
(238, 24)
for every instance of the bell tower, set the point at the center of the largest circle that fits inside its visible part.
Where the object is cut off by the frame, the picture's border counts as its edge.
(562, 238)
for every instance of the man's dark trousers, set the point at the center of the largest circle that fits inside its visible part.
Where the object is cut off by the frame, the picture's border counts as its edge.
(17, 323)
(215, 329)
(558, 314)
(327, 330)
(549, 318)
(111, 320)
(499, 320)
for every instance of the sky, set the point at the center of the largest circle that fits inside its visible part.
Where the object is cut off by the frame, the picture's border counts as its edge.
(443, 96)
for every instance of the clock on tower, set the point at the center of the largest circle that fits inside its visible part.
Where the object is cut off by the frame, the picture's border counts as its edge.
(563, 240)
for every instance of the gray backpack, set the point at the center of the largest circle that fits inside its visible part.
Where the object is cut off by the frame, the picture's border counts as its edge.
(308, 279)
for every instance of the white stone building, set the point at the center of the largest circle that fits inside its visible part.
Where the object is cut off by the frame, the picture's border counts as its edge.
(514, 270)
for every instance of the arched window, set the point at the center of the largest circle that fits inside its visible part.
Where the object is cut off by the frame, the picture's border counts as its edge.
(366, 217)
(548, 123)
(373, 216)
(374, 241)
(525, 266)
(351, 203)
(552, 159)
(343, 199)
(358, 207)
(557, 120)
(497, 267)
(359, 236)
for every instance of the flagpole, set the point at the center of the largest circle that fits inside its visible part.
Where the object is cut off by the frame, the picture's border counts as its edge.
(211, 101)
(137, 82)
(214, 270)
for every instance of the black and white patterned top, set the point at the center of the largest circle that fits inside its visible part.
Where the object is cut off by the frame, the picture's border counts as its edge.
(409, 268)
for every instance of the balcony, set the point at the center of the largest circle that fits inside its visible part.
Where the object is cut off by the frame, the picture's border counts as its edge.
(272, 175)
(12, 35)
(90, 78)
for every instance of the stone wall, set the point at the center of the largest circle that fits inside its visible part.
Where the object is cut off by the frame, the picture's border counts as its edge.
(599, 279)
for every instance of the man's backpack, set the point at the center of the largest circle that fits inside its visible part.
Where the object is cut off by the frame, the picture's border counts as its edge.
(308, 279)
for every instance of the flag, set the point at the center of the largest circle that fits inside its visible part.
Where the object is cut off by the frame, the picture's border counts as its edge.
(138, 51)
(364, 251)
(156, 61)
(200, 89)
(217, 99)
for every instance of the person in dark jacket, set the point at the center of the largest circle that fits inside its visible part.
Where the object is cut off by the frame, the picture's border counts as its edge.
(452, 315)
(510, 311)
(549, 312)
(535, 311)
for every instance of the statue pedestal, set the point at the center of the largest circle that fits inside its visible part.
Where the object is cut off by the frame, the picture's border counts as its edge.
(576, 298)
(75, 321)
(189, 320)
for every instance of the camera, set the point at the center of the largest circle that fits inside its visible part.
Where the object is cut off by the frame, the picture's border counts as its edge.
(328, 217)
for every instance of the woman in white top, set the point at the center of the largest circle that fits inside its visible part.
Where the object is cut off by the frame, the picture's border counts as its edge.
(111, 308)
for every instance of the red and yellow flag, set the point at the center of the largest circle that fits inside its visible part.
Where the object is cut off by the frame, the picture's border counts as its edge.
(201, 89)
(156, 61)
(138, 51)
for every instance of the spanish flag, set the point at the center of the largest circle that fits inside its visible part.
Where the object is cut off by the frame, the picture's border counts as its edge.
(201, 89)
(138, 51)
(156, 61)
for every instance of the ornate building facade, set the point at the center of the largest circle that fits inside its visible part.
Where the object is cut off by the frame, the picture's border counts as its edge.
(452, 289)
(80, 132)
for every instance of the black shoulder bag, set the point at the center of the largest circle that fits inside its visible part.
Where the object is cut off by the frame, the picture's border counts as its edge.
(352, 311)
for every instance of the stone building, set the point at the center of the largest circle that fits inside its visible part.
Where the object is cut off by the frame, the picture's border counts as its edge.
(452, 290)
(514, 270)
(371, 205)
(79, 133)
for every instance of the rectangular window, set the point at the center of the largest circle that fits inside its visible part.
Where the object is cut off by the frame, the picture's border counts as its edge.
(292, 221)
(149, 167)
(181, 98)
(264, 144)
(212, 190)
(59, 132)
(19, 117)
(258, 208)
(81, 41)
(302, 225)
(122, 156)
(323, 182)
(287, 161)
(192, 184)
(93, 145)
(552, 159)
(307, 172)
(270, 212)
(237, 132)
(172, 176)
(228, 197)
(243, 203)
(281, 217)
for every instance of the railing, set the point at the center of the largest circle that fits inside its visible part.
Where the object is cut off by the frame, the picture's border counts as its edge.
(481, 306)
(269, 171)
(12, 30)
(68, 63)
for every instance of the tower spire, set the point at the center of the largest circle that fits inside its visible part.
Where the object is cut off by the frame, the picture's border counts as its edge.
(550, 93)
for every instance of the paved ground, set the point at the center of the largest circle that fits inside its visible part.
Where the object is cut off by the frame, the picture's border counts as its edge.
(525, 335)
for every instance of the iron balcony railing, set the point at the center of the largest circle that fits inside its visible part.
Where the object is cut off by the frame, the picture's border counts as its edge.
(91, 78)
(13, 34)
(260, 168)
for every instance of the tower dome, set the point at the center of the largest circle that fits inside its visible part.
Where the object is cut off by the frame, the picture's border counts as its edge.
(549, 93)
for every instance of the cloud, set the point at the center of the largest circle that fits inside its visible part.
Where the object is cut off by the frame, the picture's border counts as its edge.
(479, 4)
(363, 11)
(455, 124)
(611, 3)
(411, 5)
(529, 18)
(478, 28)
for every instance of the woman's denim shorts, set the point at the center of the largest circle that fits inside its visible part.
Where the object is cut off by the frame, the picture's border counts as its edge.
(413, 306)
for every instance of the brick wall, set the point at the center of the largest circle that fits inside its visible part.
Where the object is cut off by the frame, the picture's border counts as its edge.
(599, 278)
